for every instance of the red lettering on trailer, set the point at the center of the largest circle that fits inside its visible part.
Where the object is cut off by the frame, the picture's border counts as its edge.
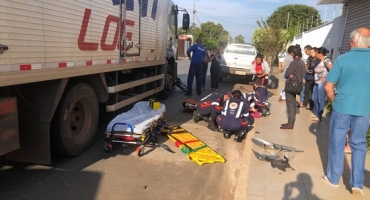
(112, 46)
(86, 46)
(90, 46)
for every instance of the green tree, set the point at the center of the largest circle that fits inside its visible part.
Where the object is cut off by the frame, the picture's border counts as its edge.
(269, 40)
(301, 18)
(239, 39)
(231, 40)
(223, 40)
(213, 35)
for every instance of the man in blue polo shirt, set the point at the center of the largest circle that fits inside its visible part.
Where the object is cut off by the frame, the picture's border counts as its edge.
(351, 109)
(196, 65)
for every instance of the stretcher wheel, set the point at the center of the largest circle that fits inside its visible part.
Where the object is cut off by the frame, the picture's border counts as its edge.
(140, 151)
(108, 147)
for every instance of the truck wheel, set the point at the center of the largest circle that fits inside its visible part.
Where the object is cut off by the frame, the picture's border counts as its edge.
(74, 125)
(167, 88)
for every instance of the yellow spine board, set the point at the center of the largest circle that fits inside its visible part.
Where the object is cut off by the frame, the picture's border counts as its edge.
(198, 152)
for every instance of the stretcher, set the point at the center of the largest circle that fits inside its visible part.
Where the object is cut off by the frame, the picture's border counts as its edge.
(195, 149)
(138, 126)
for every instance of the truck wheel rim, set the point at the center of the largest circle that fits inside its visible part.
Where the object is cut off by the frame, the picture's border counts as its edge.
(77, 119)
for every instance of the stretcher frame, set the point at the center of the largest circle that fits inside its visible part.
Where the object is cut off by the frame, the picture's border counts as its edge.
(131, 138)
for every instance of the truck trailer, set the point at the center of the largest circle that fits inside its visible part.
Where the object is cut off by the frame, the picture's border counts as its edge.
(60, 59)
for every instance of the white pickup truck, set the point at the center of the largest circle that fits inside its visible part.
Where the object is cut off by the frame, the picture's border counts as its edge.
(237, 60)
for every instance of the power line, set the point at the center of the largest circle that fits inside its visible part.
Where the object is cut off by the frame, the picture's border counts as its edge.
(227, 21)
(248, 25)
(198, 18)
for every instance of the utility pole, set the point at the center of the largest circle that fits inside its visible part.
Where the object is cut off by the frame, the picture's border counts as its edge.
(194, 16)
(311, 21)
(317, 20)
(334, 11)
(287, 23)
(193, 23)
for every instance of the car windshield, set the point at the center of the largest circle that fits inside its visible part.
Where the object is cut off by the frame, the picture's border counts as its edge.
(246, 50)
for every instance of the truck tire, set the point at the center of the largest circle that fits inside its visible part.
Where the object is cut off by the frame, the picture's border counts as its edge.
(168, 82)
(75, 121)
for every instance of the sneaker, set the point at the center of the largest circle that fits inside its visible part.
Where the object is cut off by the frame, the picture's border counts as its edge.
(325, 178)
(357, 191)
(196, 117)
(212, 127)
(240, 136)
(226, 134)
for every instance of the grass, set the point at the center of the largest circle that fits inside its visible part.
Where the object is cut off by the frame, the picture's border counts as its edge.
(329, 107)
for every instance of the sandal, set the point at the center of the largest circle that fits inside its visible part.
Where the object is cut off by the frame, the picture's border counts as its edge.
(315, 119)
(313, 116)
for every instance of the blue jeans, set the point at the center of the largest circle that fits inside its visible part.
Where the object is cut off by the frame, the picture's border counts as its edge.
(318, 98)
(195, 70)
(301, 98)
(339, 125)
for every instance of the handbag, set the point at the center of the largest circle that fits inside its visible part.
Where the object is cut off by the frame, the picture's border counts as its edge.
(293, 87)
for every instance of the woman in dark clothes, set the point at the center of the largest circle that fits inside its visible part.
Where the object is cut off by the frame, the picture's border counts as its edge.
(295, 71)
(215, 68)
(309, 79)
(205, 68)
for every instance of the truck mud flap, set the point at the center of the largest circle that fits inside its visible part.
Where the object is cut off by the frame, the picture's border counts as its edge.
(36, 106)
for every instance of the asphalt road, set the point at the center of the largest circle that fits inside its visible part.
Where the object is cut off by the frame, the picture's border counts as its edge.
(122, 175)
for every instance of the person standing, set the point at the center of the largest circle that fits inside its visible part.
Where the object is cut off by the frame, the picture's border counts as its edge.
(215, 68)
(205, 68)
(307, 50)
(287, 60)
(281, 62)
(294, 72)
(196, 65)
(318, 95)
(310, 79)
(351, 109)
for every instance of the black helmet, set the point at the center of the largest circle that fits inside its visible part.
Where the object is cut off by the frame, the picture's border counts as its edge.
(265, 111)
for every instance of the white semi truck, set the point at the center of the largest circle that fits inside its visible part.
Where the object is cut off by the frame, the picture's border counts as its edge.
(60, 59)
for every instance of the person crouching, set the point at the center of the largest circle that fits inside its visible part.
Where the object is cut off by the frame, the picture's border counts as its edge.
(235, 117)
(209, 107)
(260, 98)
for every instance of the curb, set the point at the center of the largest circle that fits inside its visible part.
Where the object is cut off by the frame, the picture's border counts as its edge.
(242, 182)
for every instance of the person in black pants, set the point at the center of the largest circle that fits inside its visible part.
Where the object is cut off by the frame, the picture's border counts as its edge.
(295, 71)
(196, 66)
(215, 68)
(310, 79)
(205, 68)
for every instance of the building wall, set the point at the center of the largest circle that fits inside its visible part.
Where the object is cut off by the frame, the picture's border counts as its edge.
(315, 37)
